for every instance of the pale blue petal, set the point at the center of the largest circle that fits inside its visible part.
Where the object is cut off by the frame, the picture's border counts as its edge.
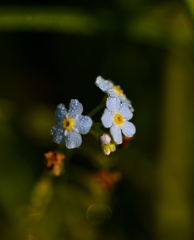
(84, 124)
(58, 132)
(125, 112)
(75, 108)
(127, 101)
(107, 118)
(60, 113)
(130, 107)
(116, 133)
(113, 104)
(73, 139)
(111, 92)
(104, 85)
(128, 129)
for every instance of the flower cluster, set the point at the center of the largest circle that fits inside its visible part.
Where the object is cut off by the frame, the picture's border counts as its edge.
(117, 113)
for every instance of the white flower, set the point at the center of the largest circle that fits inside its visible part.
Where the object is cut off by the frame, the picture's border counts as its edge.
(113, 90)
(116, 117)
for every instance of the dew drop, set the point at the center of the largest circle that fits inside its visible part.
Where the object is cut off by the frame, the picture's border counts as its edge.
(98, 214)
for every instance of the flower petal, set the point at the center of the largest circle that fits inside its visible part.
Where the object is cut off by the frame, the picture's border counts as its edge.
(104, 85)
(84, 124)
(107, 118)
(58, 132)
(124, 99)
(113, 104)
(112, 93)
(73, 139)
(116, 133)
(75, 108)
(128, 129)
(125, 112)
(60, 112)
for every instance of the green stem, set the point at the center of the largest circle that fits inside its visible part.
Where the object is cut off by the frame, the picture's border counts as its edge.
(95, 110)
(98, 108)
(96, 131)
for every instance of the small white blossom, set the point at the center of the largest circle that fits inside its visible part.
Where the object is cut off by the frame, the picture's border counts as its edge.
(116, 117)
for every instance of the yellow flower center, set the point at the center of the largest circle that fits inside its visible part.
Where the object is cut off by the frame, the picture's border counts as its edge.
(118, 90)
(118, 118)
(68, 123)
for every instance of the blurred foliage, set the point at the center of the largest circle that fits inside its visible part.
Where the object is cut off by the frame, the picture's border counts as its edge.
(53, 53)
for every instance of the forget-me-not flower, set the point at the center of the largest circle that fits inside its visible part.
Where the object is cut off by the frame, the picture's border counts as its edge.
(116, 117)
(71, 124)
(113, 90)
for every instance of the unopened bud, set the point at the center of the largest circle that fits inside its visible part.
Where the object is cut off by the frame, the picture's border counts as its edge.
(112, 147)
(106, 149)
(105, 139)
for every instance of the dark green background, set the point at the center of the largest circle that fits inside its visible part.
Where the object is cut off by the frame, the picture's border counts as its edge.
(53, 52)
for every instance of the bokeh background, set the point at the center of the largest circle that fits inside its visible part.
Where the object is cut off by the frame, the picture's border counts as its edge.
(52, 52)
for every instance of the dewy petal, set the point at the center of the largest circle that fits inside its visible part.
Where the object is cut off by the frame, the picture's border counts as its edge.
(107, 118)
(75, 108)
(128, 129)
(116, 133)
(104, 85)
(58, 133)
(84, 124)
(124, 99)
(113, 104)
(73, 139)
(111, 92)
(125, 112)
(60, 112)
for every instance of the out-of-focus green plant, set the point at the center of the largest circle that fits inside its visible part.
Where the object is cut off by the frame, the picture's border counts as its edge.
(148, 46)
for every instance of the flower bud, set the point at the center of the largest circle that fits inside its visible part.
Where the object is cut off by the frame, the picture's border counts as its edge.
(105, 139)
(106, 149)
(112, 147)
